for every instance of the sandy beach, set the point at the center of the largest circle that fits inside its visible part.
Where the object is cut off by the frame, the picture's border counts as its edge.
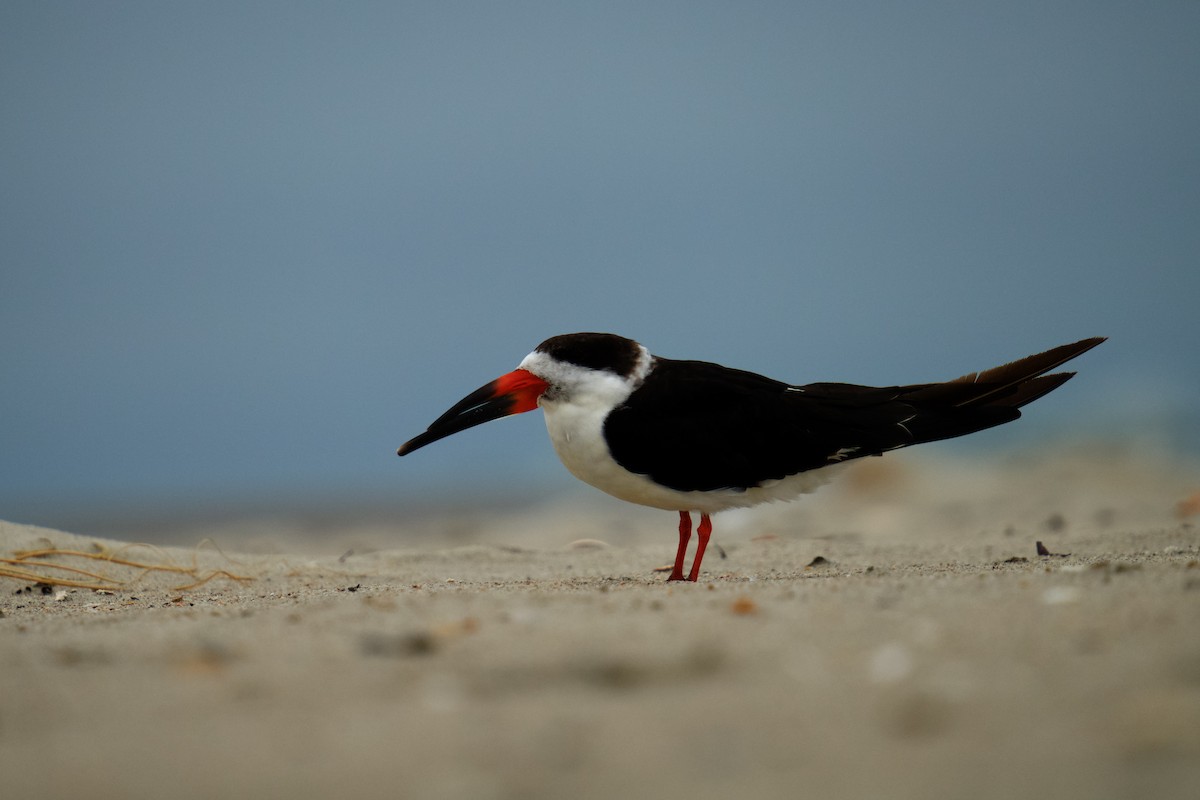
(895, 635)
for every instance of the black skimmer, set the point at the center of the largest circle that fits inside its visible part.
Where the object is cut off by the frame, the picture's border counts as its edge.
(690, 436)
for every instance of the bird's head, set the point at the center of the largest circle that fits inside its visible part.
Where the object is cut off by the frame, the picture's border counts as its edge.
(574, 367)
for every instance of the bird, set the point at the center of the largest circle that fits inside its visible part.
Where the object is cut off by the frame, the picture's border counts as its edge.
(698, 437)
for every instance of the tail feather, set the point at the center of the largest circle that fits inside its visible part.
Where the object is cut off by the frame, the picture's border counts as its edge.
(985, 399)
(1009, 385)
(1030, 390)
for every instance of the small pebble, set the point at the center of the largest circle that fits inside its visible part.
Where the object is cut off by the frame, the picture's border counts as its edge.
(744, 605)
(1059, 595)
(891, 663)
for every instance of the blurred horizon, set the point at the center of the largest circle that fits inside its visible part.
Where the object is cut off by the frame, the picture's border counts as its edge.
(250, 249)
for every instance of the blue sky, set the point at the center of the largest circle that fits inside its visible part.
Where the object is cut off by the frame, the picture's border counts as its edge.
(248, 249)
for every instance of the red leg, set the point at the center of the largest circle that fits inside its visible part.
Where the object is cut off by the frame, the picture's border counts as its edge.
(685, 533)
(702, 534)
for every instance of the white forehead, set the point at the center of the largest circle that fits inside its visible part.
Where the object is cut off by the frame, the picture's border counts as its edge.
(572, 378)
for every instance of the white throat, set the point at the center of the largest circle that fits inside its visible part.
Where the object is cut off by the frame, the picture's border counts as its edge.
(576, 404)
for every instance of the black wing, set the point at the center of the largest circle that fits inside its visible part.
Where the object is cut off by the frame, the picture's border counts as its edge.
(698, 426)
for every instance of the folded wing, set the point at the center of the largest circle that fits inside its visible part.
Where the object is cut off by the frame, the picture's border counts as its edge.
(702, 427)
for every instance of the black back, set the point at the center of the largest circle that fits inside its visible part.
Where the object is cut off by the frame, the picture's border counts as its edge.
(696, 426)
